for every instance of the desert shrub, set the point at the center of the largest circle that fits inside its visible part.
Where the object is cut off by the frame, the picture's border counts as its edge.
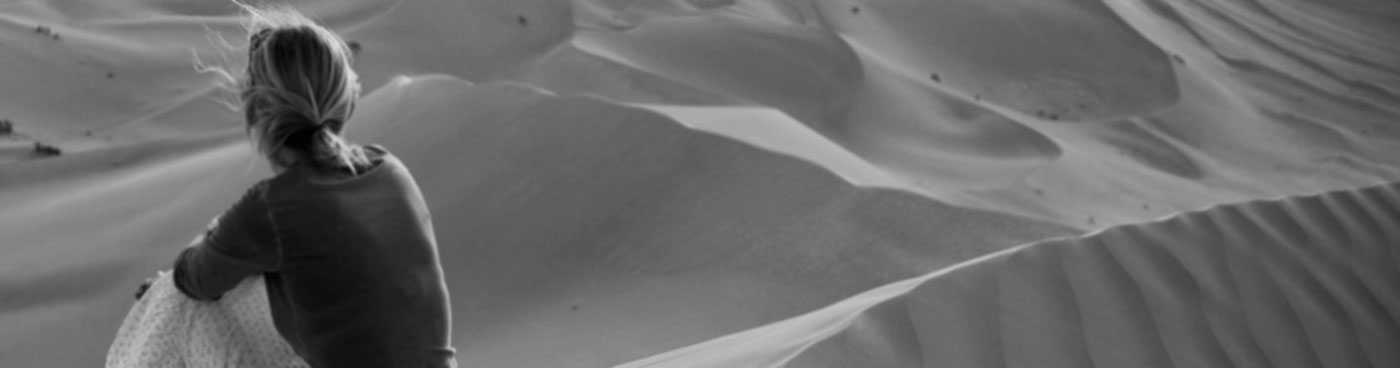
(46, 150)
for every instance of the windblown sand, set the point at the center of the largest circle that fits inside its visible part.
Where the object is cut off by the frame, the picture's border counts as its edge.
(761, 183)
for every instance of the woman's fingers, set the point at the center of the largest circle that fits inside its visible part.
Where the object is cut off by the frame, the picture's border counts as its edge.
(141, 291)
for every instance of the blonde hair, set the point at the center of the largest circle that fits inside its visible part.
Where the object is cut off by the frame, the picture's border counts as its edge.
(299, 89)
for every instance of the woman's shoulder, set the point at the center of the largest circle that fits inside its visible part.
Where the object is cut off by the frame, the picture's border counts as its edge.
(380, 156)
(376, 148)
(379, 160)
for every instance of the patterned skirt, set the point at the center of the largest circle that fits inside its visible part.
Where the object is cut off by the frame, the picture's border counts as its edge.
(167, 329)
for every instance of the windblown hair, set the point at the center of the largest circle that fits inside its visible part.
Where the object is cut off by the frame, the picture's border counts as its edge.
(299, 89)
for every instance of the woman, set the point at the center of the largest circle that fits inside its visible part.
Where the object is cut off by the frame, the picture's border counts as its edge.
(340, 234)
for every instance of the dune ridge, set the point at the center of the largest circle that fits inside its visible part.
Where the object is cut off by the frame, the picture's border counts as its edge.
(1206, 91)
(1296, 282)
(651, 224)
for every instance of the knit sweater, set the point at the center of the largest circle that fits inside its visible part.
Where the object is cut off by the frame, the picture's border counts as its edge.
(351, 265)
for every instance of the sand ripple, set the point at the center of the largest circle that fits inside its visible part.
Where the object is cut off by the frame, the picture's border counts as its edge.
(1297, 282)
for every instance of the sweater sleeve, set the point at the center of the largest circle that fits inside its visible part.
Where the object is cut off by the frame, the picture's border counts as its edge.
(242, 244)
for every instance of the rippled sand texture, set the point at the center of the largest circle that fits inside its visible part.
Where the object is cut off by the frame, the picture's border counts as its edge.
(615, 179)
(1297, 282)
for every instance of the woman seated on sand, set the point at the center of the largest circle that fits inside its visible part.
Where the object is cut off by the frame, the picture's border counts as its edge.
(340, 234)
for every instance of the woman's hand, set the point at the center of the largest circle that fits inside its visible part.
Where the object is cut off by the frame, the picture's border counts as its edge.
(141, 291)
(207, 228)
(144, 286)
(213, 223)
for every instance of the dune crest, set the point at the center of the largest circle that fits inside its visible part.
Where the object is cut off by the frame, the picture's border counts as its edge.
(807, 72)
(1029, 56)
(1302, 281)
(650, 223)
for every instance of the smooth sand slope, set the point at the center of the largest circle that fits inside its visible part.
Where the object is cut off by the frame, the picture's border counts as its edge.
(1296, 282)
(657, 236)
(615, 179)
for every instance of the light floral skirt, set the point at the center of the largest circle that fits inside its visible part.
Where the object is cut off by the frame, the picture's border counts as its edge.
(167, 329)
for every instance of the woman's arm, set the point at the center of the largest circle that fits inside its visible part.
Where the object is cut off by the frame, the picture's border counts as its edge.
(241, 243)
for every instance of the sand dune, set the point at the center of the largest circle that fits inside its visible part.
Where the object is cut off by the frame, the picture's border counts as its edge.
(656, 233)
(1297, 282)
(986, 106)
(616, 179)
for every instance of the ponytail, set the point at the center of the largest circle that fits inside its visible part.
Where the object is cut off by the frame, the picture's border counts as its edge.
(300, 90)
(329, 150)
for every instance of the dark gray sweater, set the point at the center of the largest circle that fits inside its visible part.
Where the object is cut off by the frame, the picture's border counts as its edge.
(351, 265)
